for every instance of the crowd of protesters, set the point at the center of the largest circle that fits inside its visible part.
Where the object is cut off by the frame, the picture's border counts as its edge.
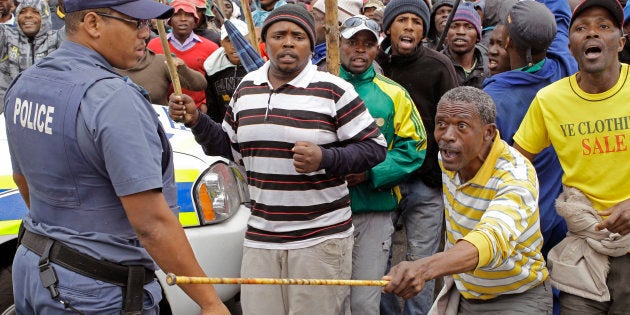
(493, 131)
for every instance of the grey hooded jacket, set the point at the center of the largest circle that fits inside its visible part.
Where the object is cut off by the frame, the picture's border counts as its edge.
(18, 51)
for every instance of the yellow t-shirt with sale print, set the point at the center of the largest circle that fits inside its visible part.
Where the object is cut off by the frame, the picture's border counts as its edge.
(590, 133)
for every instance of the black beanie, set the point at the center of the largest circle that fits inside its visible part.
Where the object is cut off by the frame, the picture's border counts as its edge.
(397, 7)
(436, 5)
(295, 13)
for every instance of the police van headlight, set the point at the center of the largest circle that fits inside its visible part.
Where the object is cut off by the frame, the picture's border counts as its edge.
(219, 192)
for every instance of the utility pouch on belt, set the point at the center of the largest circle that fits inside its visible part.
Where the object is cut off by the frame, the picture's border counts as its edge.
(131, 278)
(132, 293)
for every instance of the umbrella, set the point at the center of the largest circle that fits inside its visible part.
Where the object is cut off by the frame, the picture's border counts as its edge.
(250, 59)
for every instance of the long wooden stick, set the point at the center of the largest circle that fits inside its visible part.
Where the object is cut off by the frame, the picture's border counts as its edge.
(250, 25)
(172, 279)
(172, 68)
(332, 37)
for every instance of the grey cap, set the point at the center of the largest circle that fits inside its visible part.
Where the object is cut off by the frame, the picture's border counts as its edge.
(496, 10)
(531, 26)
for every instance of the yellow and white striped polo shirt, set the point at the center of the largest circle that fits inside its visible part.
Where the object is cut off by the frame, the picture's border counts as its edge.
(497, 212)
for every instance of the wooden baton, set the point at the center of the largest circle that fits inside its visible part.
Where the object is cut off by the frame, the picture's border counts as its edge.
(172, 279)
(172, 68)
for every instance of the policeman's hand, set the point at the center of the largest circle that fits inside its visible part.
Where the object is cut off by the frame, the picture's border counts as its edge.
(618, 220)
(405, 279)
(355, 179)
(182, 108)
(307, 157)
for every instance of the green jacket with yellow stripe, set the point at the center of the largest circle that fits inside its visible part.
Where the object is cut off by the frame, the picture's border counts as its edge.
(398, 119)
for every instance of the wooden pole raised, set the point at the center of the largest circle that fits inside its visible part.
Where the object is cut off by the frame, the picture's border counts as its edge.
(172, 68)
(332, 37)
(250, 25)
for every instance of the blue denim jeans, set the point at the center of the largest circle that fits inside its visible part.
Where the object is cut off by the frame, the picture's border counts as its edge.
(422, 211)
(87, 295)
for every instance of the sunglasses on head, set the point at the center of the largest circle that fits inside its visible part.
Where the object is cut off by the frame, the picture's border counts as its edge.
(358, 20)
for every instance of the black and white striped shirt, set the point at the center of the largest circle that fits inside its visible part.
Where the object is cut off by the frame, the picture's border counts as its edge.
(289, 209)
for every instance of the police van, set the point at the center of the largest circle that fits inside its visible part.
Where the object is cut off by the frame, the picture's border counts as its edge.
(214, 200)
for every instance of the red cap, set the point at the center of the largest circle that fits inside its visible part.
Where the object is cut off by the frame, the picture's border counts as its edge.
(198, 3)
(185, 6)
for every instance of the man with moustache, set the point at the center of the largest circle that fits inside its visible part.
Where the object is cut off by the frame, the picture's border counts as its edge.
(374, 193)
(298, 132)
(492, 262)
(594, 160)
(469, 59)
(96, 173)
(186, 45)
(426, 74)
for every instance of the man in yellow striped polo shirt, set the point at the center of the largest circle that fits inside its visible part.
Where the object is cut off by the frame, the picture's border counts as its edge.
(492, 260)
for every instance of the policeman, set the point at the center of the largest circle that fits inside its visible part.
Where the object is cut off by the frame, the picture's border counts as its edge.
(93, 164)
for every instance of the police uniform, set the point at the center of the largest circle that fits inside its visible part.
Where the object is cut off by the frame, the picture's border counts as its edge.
(82, 137)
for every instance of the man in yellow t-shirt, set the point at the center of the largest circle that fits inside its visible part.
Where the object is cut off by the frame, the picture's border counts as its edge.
(585, 117)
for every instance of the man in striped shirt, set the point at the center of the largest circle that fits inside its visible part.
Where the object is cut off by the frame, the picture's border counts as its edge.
(493, 236)
(298, 132)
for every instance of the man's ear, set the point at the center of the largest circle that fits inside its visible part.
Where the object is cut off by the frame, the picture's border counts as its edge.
(92, 24)
(622, 43)
(508, 43)
(490, 132)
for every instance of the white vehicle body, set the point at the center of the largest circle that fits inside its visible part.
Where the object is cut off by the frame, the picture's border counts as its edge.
(214, 217)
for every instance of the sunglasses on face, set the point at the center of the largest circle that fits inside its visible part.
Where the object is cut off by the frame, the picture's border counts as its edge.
(140, 24)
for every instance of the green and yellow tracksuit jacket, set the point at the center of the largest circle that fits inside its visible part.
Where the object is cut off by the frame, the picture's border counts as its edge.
(398, 119)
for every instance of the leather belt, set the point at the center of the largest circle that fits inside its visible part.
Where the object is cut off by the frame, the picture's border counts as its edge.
(81, 263)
